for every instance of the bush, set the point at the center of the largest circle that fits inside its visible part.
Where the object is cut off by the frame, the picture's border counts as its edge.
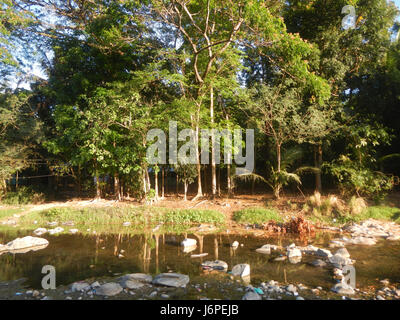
(257, 215)
(193, 216)
(354, 179)
(24, 195)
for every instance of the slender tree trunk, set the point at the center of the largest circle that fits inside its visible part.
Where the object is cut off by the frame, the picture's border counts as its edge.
(228, 180)
(219, 182)
(98, 189)
(156, 182)
(213, 166)
(186, 187)
(198, 165)
(148, 179)
(162, 183)
(318, 163)
(16, 181)
(177, 185)
(117, 188)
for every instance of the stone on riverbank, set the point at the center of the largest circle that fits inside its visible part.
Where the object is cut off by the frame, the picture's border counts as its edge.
(293, 253)
(343, 288)
(80, 286)
(109, 289)
(176, 280)
(251, 295)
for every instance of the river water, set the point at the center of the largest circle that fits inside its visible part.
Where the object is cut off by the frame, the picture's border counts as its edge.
(78, 257)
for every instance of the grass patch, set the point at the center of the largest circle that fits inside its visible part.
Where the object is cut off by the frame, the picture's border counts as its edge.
(9, 212)
(112, 219)
(257, 215)
(374, 212)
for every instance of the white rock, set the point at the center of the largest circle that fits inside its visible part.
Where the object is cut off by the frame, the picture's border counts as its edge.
(241, 270)
(109, 289)
(40, 231)
(171, 280)
(24, 243)
(291, 253)
(56, 230)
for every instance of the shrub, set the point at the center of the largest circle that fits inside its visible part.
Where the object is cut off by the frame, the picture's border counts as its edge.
(257, 215)
(354, 179)
(24, 195)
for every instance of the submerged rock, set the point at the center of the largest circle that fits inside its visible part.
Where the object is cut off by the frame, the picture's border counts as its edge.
(109, 289)
(319, 263)
(171, 280)
(343, 252)
(339, 261)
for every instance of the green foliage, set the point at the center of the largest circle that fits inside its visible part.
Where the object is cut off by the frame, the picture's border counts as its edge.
(24, 195)
(191, 216)
(257, 215)
(354, 179)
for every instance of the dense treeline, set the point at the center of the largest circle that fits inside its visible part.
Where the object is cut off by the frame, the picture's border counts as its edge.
(324, 99)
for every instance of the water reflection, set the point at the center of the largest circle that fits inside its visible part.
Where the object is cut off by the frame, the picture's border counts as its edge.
(79, 257)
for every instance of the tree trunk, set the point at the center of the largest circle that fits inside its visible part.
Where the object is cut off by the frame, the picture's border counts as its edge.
(186, 187)
(162, 183)
(228, 180)
(177, 185)
(98, 189)
(219, 182)
(117, 187)
(156, 182)
(318, 163)
(213, 166)
(198, 165)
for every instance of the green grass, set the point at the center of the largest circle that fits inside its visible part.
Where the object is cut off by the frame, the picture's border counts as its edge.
(374, 212)
(111, 219)
(257, 215)
(9, 212)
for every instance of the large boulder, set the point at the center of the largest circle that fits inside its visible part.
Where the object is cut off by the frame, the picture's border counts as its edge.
(25, 243)
(176, 280)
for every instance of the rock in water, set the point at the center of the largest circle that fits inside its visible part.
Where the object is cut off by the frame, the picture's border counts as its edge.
(80, 286)
(109, 289)
(339, 261)
(293, 252)
(319, 263)
(323, 253)
(56, 230)
(251, 295)
(24, 243)
(343, 288)
(241, 270)
(142, 277)
(267, 248)
(171, 280)
(343, 252)
(189, 242)
(131, 284)
(40, 231)
(235, 244)
(215, 265)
